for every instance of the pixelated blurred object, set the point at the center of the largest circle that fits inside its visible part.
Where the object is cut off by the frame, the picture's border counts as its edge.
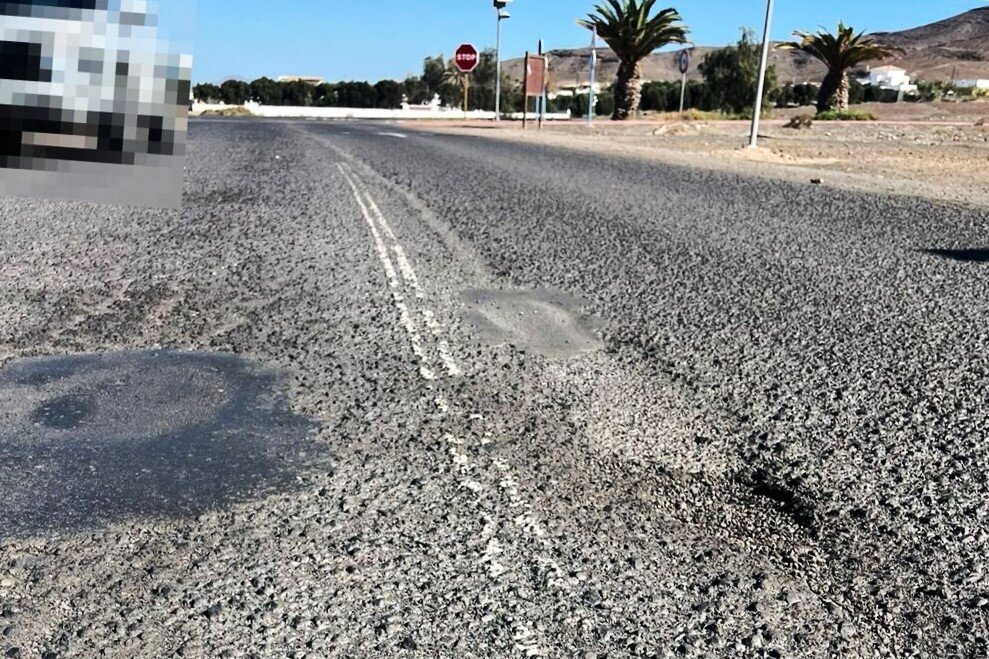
(93, 104)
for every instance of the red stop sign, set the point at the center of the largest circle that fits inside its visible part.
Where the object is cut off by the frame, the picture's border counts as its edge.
(466, 58)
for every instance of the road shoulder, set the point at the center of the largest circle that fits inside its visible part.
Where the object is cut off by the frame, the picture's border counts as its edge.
(943, 163)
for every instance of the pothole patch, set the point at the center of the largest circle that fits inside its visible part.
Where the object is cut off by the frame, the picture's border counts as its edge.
(87, 440)
(63, 412)
(544, 321)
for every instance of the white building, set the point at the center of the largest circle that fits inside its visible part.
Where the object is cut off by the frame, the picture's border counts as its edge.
(891, 77)
(971, 84)
(579, 90)
(312, 80)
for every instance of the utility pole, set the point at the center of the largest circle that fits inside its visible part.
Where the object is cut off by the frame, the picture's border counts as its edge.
(763, 64)
(501, 14)
(541, 99)
(593, 76)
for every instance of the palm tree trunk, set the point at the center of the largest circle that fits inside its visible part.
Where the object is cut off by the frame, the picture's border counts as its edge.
(834, 92)
(628, 91)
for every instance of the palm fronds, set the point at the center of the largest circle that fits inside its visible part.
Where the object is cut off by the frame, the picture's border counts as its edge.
(630, 29)
(842, 50)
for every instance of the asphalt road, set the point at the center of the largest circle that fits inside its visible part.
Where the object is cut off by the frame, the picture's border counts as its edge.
(561, 405)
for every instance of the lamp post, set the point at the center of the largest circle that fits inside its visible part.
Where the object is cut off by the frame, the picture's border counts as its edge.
(499, 6)
(593, 75)
(757, 113)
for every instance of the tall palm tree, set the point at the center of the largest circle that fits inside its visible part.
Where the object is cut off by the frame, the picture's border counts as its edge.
(839, 52)
(633, 33)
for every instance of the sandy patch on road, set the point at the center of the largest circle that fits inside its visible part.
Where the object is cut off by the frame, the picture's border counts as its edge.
(941, 161)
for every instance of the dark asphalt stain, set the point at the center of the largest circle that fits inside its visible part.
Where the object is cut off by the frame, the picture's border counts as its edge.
(976, 255)
(87, 440)
(63, 412)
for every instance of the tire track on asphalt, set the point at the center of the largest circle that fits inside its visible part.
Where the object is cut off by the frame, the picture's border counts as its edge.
(523, 516)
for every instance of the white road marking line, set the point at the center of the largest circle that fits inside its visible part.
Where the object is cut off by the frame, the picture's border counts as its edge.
(425, 368)
(413, 331)
(398, 135)
(408, 274)
(378, 242)
(449, 363)
(473, 486)
(410, 277)
(525, 639)
(460, 459)
(442, 347)
(432, 324)
(380, 217)
(490, 555)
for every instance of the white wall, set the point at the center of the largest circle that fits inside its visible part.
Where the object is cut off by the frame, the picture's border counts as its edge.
(971, 84)
(288, 112)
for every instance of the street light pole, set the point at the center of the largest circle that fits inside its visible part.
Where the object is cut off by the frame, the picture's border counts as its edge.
(594, 75)
(501, 15)
(763, 64)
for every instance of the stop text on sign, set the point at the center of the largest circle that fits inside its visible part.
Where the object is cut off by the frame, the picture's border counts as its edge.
(466, 58)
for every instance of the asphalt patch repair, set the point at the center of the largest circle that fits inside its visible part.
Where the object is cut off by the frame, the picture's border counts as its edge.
(544, 321)
(86, 440)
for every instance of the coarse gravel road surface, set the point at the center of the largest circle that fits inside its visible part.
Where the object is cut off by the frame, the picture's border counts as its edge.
(528, 403)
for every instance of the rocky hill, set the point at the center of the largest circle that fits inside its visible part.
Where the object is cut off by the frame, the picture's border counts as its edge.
(953, 48)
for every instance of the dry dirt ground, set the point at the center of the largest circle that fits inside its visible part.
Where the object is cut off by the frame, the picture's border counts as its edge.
(936, 150)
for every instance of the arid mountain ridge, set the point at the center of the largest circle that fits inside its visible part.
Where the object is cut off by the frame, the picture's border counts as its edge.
(951, 49)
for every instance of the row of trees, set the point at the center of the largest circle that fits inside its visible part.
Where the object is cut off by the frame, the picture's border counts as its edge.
(729, 85)
(384, 94)
(439, 78)
(633, 30)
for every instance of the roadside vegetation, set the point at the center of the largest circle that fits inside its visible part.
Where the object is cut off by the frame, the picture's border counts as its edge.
(633, 32)
(633, 29)
(839, 52)
(437, 80)
(845, 115)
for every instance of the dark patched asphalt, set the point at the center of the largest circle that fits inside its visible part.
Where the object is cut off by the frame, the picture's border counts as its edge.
(90, 439)
(565, 405)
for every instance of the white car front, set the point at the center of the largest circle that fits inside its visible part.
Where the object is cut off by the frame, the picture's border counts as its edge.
(88, 80)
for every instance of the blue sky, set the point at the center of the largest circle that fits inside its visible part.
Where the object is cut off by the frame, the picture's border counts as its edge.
(375, 39)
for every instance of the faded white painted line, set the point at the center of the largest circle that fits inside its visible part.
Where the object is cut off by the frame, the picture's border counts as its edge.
(396, 263)
(380, 217)
(460, 459)
(408, 274)
(449, 364)
(412, 280)
(442, 346)
(425, 368)
(398, 135)
(378, 242)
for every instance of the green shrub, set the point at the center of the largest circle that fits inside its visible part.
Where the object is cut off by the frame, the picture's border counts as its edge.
(845, 115)
(690, 114)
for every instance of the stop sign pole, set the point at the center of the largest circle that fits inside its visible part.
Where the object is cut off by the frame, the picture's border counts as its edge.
(466, 59)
